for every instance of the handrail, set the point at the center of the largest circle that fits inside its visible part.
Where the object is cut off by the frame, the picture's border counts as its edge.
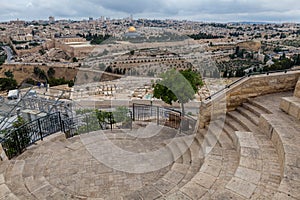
(246, 76)
(26, 124)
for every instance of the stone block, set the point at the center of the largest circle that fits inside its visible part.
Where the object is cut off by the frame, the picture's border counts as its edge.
(250, 153)
(241, 187)
(251, 163)
(280, 196)
(249, 175)
(290, 188)
(297, 89)
(294, 109)
(285, 104)
(204, 179)
(211, 168)
(265, 125)
(149, 192)
(246, 139)
(4, 191)
(193, 190)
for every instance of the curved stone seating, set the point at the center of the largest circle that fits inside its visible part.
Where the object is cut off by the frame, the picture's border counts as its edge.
(24, 175)
(248, 174)
(253, 155)
(252, 176)
(218, 167)
(283, 130)
(248, 119)
(286, 137)
(182, 171)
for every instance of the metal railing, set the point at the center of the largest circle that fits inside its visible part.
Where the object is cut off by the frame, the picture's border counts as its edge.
(89, 122)
(246, 76)
(163, 116)
(17, 140)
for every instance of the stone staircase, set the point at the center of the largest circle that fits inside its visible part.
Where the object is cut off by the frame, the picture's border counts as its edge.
(243, 162)
(283, 128)
(251, 153)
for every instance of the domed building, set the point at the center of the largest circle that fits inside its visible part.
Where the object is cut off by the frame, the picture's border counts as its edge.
(131, 29)
(131, 32)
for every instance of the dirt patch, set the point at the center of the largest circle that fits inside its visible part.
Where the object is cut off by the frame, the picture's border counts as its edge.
(250, 45)
(23, 72)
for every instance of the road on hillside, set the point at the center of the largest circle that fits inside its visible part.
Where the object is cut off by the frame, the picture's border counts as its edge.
(9, 53)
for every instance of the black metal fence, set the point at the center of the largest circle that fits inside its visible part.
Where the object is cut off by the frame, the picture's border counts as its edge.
(16, 141)
(163, 116)
(88, 122)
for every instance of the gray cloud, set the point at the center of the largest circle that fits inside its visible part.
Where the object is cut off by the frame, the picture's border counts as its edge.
(217, 10)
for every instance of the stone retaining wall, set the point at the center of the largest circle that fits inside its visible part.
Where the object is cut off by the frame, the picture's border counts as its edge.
(297, 89)
(249, 87)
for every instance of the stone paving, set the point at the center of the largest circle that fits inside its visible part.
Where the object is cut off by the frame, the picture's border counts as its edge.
(65, 169)
(240, 161)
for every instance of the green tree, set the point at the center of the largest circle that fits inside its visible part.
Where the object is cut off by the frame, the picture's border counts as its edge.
(177, 86)
(121, 114)
(9, 74)
(104, 118)
(8, 84)
(240, 72)
(74, 59)
(51, 72)
(225, 74)
(40, 73)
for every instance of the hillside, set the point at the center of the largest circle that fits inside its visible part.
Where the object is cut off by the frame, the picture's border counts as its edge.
(23, 72)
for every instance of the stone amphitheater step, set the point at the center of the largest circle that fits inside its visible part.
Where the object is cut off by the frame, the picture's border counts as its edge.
(283, 130)
(258, 106)
(240, 121)
(215, 171)
(233, 124)
(227, 134)
(26, 178)
(218, 168)
(212, 135)
(291, 105)
(184, 150)
(182, 171)
(247, 177)
(196, 160)
(253, 108)
(216, 178)
(15, 182)
(229, 131)
(248, 114)
(270, 161)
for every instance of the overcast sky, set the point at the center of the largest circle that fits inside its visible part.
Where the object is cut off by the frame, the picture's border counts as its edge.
(200, 10)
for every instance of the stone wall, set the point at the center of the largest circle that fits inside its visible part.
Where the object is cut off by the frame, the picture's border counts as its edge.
(297, 89)
(79, 52)
(46, 45)
(249, 87)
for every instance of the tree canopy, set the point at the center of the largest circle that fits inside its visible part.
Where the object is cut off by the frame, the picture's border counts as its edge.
(178, 86)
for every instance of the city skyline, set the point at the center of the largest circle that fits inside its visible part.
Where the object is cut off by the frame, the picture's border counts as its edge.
(204, 10)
